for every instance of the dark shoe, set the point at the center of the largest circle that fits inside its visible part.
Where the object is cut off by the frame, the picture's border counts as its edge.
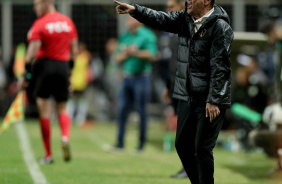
(46, 160)
(66, 151)
(140, 149)
(116, 148)
(180, 174)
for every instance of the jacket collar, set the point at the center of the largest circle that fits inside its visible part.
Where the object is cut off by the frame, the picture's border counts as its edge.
(218, 12)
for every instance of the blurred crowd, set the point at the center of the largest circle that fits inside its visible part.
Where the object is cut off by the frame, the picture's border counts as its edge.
(256, 98)
(96, 83)
(256, 83)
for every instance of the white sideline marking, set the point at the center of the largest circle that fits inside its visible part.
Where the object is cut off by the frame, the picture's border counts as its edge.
(104, 145)
(34, 170)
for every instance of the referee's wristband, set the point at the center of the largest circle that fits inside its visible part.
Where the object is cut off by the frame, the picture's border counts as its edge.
(27, 73)
(28, 76)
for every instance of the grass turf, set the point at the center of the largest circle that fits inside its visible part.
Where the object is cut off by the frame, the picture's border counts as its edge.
(92, 164)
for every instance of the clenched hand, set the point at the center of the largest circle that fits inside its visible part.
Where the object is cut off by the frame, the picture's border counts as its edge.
(212, 111)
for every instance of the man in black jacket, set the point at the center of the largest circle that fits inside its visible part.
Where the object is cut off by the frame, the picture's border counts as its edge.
(203, 78)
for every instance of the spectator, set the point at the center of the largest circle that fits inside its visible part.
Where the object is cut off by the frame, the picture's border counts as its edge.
(113, 76)
(81, 76)
(250, 91)
(267, 59)
(136, 50)
(269, 137)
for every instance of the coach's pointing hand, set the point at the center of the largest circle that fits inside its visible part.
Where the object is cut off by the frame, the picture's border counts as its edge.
(124, 8)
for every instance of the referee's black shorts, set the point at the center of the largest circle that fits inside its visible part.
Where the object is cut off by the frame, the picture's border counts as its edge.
(51, 78)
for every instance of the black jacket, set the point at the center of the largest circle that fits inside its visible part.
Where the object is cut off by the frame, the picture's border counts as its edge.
(173, 45)
(203, 68)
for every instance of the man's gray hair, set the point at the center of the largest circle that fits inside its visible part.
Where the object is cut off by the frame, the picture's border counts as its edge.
(53, 1)
(183, 1)
(180, 1)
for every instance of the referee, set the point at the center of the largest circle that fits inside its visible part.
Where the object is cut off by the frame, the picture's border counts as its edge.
(53, 42)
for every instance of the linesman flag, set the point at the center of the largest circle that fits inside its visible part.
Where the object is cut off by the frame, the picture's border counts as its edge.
(15, 112)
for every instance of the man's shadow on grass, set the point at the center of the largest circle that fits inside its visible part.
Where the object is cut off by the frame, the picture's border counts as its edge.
(255, 172)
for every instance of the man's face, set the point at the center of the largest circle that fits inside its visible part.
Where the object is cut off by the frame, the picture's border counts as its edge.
(196, 8)
(40, 7)
(172, 5)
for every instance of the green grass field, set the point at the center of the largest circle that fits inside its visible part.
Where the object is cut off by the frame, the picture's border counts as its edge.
(91, 164)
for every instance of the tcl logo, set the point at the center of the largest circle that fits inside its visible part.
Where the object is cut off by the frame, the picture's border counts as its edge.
(58, 27)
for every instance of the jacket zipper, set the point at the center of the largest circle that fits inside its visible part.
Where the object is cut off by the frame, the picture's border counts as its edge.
(189, 88)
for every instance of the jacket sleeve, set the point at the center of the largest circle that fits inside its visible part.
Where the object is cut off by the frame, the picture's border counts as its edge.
(165, 21)
(220, 66)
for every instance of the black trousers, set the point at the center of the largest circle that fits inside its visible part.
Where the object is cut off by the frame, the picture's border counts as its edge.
(195, 139)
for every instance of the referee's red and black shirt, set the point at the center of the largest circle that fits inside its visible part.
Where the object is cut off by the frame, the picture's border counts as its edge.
(55, 31)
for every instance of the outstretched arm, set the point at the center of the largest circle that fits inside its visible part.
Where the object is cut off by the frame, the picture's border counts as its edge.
(165, 21)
